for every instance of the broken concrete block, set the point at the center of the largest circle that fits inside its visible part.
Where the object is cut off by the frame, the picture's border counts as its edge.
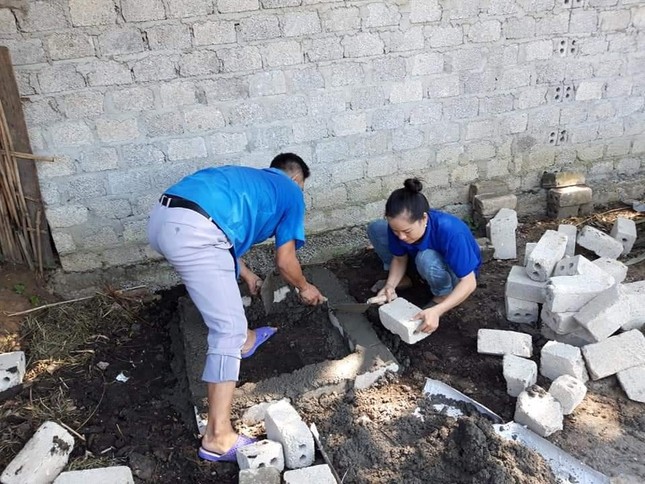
(262, 475)
(624, 231)
(569, 196)
(561, 323)
(548, 252)
(487, 187)
(569, 391)
(562, 179)
(500, 342)
(571, 232)
(12, 369)
(104, 475)
(397, 316)
(485, 248)
(613, 267)
(578, 338)
(633, 382)
(527, 251)
(42, 458)
(578, 265)
(520, 286)
(501, 232)
(539, 411)
(569, 293)
(488, 205)
(557, 359)
(604, 314)
(519, 311)
(562, 212)
(633, 294)
(320, 474)
(599, 243)
(283, 424)
(616, 353)
(264, 453)
(519, 374)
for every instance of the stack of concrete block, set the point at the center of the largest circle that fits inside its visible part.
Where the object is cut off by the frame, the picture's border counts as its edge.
(501, 232)
(487, 198)
(624, 231)
(567, 195)
(12, 369)
(42, 458)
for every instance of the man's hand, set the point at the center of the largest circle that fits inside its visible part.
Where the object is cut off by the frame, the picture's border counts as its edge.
(311, 296)
(429, 320)
(389, 292)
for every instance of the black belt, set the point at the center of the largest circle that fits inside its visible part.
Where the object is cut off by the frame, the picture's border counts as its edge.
(173, 201)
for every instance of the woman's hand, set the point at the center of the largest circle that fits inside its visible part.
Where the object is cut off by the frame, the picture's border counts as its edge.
(388, 292)
(429, 320)
(253, 282)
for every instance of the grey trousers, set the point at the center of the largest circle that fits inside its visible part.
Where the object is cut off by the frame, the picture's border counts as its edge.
(199, 251)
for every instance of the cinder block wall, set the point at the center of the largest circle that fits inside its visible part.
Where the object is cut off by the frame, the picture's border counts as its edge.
(130, 95)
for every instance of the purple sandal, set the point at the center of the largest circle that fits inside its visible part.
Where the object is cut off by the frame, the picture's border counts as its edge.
(230, 455)
(261, 336)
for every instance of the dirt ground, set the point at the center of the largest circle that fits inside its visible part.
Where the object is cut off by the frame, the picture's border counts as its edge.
(375, 435)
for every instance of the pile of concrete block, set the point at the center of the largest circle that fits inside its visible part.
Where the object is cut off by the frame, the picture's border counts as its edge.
(487, 198)
(567, 195)
(289, 444)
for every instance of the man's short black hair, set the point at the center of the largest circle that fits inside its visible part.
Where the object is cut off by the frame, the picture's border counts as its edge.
(290, 163)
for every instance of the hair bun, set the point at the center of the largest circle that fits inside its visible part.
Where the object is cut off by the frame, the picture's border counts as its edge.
(413, 185)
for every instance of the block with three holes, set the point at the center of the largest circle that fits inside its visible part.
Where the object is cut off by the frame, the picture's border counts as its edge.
(264, 453)
(283, 424)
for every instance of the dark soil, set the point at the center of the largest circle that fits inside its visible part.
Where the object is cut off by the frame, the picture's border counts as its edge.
(371, 435)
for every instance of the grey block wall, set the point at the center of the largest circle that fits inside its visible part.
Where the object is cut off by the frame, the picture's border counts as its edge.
(131, 95)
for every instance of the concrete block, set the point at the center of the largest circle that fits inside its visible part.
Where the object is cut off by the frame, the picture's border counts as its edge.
(519, 311)
(579, 337)
(103, 475)
(489, 205)
(86, 13)
(527, 251)
(284, 425)
(562, 212)
(501, 232)
(499, 342)
(396, 317)
(604, 314)
(519, 374)
(613, 267)
(624, 231)
(557, 359)
(547, 253)
(561, 323)
(493, 188)
(486, 249)
(520, 286)
(262, 475)
(12, 369)
(634, 296)
(570, 293)
(579, 265)
(615, 354)
(539, 411)
(569, 196)
(571, 232)
(42, 458)
(569, 391)
(633, 383)
(562, 179)
(264, 453)
(599, 243)
(320, 474)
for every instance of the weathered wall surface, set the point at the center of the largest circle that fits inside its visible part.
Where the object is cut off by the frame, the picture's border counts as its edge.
(130, 95)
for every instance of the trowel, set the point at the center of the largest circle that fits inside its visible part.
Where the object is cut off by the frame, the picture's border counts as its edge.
(357, 307)
(267, 291)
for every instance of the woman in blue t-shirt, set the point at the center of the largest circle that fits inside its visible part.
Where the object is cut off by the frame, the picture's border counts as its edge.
(442, 247)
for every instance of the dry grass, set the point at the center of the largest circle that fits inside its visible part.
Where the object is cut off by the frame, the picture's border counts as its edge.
(90, 461)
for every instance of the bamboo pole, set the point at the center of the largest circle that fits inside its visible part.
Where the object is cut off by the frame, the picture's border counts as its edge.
(27, 156)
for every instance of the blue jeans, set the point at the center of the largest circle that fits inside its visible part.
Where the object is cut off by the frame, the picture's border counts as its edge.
(429, 263)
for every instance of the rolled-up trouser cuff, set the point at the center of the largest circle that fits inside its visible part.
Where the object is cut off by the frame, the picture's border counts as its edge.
(221, 368)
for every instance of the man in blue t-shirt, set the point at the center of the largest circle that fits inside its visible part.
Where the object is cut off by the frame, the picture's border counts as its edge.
(443, 249)
(203, 225)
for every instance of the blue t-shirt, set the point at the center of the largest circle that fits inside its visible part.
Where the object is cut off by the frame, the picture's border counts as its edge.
(248, 204)
(450, 237)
